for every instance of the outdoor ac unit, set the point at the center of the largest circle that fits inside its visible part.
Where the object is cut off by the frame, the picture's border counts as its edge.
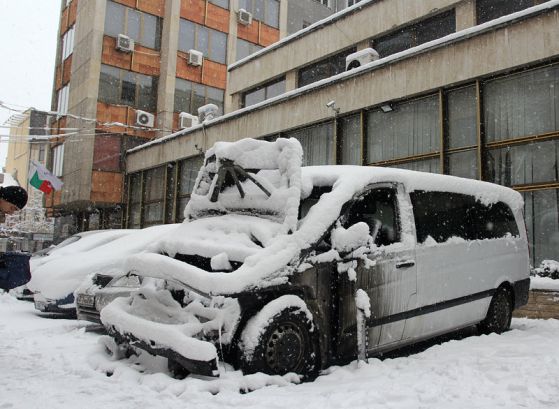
(195, 57)
(244, 17)
(124, 43)
(207, 112)
(187, 120)
(145, 119)
(360, 58)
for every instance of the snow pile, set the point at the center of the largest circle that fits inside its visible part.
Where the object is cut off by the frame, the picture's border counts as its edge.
(363, 302)
(350, 239)
(60, 273)
(548, 268)
(276, 166)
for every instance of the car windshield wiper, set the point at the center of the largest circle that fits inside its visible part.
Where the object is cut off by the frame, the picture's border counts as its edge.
(235, 172)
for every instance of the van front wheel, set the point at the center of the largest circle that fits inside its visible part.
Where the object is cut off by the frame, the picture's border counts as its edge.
(285, 345)
(499, 314)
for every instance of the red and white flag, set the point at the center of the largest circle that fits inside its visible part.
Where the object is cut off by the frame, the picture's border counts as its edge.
(41, 178)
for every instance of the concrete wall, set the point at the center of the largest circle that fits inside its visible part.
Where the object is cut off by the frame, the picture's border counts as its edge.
(84, 88)
(521, 43)
(541, 304)
(354, 28)
(304, 11)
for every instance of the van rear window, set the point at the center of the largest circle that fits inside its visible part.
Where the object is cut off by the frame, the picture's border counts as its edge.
(442, 215)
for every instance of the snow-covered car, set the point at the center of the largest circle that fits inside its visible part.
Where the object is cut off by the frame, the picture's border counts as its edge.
(56, 274)
(280, 269)
(108, 279)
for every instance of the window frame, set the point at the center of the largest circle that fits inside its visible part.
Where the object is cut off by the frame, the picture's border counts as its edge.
(211, 40)
(123, 77)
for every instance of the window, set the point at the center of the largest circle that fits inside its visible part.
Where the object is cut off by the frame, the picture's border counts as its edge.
(461, 121)
(62, 98)
(264, 92)
(246, 48)
(154, 196)
(352, 2)
(135, 201)
(522, 104)
(323, 69)
(414, 35)
(42, 151)
(68, 43)
(411, 128)
(442, 215)
(491, 9)
(189, 96)
(117, 86)
(349, 136)
(212, 43)
(221, 3)
(143, 28)
(378, 208)
(58, 160)
(188, 171)
(541, 212)
(324, 2)
(317, 142)
(266, 11)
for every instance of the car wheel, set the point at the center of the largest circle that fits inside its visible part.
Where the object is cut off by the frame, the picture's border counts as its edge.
(177, 370)
(499, 314)
(285, 344)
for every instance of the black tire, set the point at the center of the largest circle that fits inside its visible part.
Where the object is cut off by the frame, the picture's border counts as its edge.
(499, 314)
(286, 345)
(177, 370)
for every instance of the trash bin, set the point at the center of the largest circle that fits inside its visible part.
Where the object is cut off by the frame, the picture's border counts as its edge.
(14, 269)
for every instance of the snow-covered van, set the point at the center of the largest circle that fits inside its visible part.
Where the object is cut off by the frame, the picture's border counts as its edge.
(281, 269)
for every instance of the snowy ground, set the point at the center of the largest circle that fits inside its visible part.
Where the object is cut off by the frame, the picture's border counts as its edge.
(55, 363)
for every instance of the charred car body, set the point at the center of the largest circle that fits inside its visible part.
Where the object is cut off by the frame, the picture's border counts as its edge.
(281, 269)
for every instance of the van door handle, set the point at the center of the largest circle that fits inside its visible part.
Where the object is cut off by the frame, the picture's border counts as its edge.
(405, 264)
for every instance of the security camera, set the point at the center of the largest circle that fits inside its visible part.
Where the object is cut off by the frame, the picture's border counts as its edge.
(331, 104)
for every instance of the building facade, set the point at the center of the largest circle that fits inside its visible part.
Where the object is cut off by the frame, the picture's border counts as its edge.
(29, 229)
(466, 88)
(127, 69)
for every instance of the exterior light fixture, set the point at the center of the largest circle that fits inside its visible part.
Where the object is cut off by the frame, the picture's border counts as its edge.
(387, 108)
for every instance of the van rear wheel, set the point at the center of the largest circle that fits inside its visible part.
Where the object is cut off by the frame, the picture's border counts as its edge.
(499, 314)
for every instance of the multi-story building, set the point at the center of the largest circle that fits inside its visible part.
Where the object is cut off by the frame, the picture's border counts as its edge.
(127, 69)
(466, 88)
(29, 229)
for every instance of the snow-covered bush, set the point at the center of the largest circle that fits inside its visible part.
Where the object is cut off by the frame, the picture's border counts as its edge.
(547, 268)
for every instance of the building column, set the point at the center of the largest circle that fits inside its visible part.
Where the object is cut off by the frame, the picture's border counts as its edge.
(168, 68)
(291, 80)
(229, 103)
(465, 15)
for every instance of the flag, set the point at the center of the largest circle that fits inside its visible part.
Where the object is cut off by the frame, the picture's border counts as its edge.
(40, 178)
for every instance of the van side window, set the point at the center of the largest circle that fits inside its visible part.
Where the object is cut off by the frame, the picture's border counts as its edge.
(377, 208)
(443, 215)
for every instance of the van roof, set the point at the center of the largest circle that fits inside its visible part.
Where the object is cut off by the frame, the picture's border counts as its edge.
(355, 176)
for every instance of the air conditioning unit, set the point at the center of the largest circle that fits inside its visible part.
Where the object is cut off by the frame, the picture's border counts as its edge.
(244, 17)
(208, 112)
(195, 57)
(145, 119)
(124, 43)
(360, 58)
(187, 120)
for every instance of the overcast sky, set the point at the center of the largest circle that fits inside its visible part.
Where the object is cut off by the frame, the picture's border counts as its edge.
(28, 30)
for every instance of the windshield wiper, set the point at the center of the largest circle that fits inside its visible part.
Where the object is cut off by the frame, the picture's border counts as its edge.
(228, 167)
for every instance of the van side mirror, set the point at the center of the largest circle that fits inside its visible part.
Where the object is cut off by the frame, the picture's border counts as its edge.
(345, 241)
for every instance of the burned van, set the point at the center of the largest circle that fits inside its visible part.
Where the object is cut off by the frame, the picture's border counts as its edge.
(280, 269)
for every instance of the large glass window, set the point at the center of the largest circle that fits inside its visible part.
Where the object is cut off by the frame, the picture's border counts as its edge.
(491, 9)
(266, 11)
(541, 213)
(349, 140)
(189, 96)
(264, 92)
(522, 104)
(117, 86)
(416, 34)
(317, 142)
(461, 121)
(63, 97)
(188, 171)
(325, 68)
(535, 162)
(154, 196)
(221, 3)
(143, 28)
(409, 129)
(212, 43)
(246, 48)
